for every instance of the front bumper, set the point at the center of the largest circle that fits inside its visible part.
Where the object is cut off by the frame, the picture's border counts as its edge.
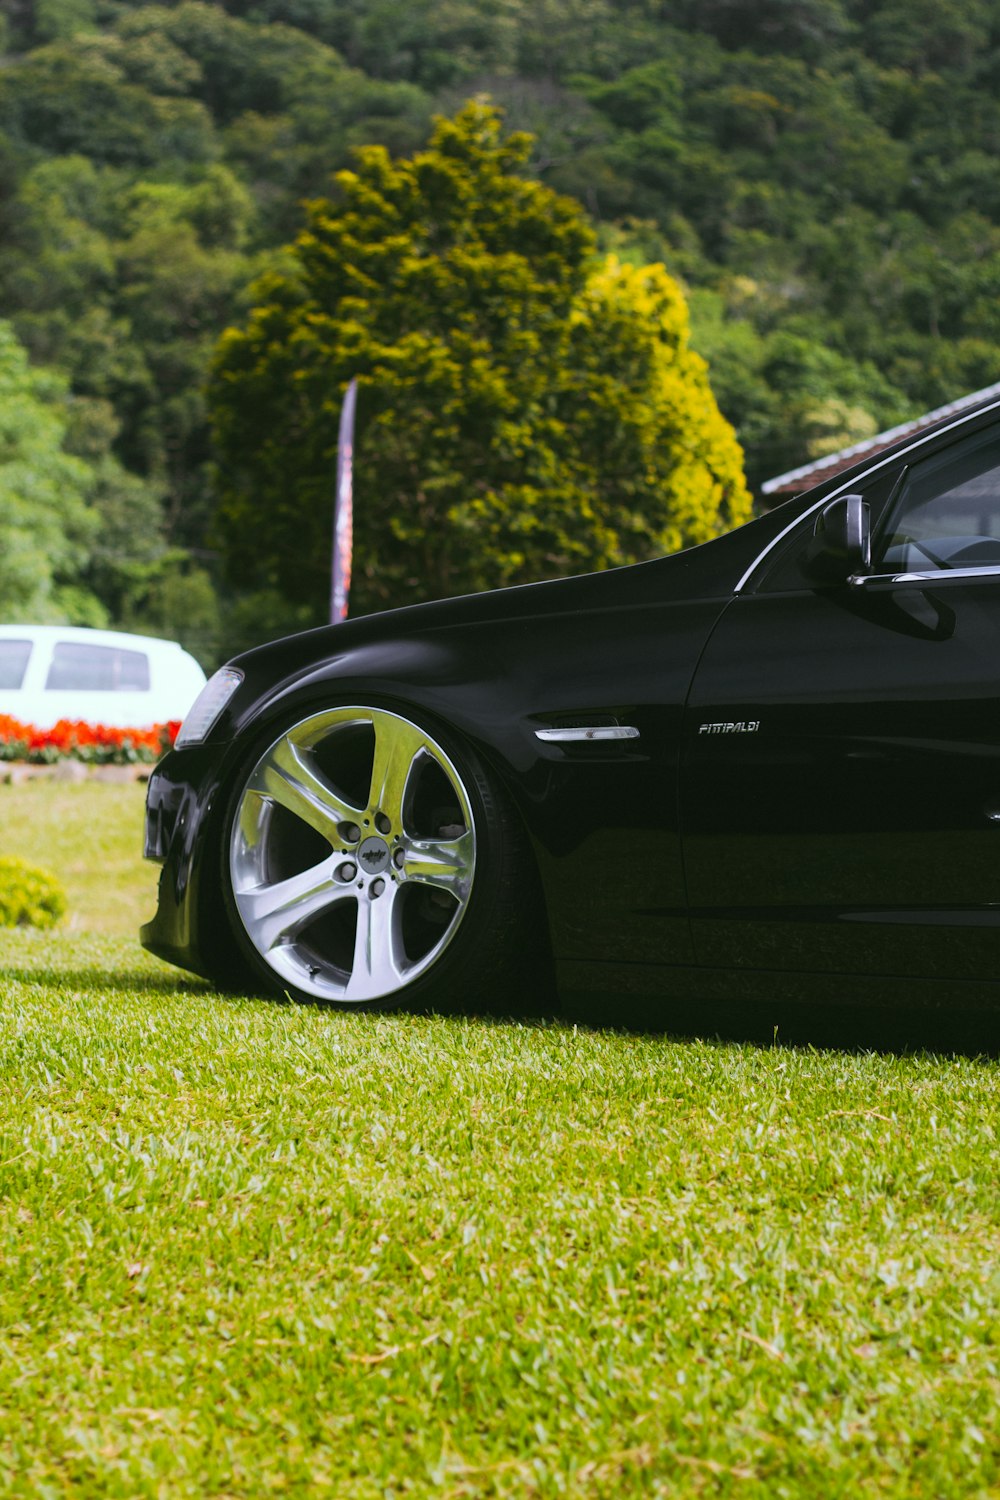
(182, 799)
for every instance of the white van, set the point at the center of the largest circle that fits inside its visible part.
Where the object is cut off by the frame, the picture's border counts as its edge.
(53, 672)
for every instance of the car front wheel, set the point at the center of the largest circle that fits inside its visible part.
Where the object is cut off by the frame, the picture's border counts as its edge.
(363, 865)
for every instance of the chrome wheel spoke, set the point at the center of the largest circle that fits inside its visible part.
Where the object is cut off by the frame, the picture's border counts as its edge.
(276, 913)
(398, 747)
(444, 864)
(379, 960)
(286, 776)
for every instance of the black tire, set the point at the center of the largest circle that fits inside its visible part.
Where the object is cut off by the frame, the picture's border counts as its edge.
(419, 891)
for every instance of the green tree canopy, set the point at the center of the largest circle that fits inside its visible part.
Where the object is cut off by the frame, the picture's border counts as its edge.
(46, 525)
(525, 410)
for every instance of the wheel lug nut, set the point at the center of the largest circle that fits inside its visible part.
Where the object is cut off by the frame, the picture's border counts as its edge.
(349, 832)
(382, 823)
(378, 886)
(347, 872)
(399, 858)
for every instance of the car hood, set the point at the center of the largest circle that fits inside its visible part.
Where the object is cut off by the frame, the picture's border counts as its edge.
(706, 571)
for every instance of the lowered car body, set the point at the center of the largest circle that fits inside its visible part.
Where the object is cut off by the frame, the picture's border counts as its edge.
(770, 762)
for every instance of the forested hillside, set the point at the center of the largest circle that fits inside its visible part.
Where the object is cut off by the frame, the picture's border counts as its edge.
(821, 175)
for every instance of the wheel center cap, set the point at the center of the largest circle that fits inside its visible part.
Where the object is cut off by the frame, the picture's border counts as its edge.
(373, 855)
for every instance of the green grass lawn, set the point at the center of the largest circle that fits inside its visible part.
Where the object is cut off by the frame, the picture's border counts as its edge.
(90, 835)
(254, 1249)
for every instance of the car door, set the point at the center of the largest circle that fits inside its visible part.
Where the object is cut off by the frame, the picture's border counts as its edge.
(841, 765)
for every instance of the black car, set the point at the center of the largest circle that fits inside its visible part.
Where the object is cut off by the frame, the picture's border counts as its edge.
(774, 756)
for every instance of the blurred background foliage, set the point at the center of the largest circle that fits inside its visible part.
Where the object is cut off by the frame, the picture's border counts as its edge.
(526, 408)
(819, 175)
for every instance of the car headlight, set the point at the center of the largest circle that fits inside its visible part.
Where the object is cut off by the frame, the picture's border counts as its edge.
(207, 707)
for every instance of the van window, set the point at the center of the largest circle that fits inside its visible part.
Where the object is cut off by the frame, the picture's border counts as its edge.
(13, 662)
(97, 669)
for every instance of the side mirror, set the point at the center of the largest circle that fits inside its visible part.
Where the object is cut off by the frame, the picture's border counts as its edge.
(841, 542)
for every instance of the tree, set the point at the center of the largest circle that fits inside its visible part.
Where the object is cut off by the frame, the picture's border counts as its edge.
(75, 96)
(524, 410)
(46, 525)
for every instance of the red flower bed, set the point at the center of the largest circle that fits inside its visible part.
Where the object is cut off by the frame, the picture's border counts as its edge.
(99, 744)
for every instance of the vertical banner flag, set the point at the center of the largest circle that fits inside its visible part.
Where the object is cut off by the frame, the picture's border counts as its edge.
(343, 510)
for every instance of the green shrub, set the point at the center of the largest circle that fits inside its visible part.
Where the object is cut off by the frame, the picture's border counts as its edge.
(29, 897)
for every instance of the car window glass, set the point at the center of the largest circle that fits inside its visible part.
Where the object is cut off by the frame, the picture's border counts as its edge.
(948, 512)
(13, 662)
(105, 669)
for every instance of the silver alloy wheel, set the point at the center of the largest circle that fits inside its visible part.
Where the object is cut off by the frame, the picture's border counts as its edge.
(352, 854)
